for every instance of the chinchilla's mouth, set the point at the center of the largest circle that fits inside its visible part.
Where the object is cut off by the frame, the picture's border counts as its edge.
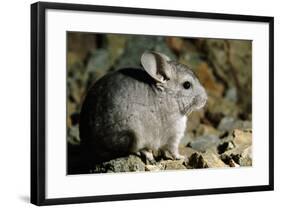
(201, 105)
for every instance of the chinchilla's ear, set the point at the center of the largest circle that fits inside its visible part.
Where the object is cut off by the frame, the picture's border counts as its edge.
(155, 64)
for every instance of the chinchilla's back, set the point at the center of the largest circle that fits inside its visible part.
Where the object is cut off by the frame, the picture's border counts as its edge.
(110, 102)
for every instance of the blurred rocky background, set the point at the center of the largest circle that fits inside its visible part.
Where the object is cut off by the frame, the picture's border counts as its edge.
(220, 135)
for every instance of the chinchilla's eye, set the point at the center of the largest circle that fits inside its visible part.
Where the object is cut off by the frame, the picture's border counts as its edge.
(186, 85)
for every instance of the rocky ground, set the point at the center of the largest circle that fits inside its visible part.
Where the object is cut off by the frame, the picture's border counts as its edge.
(230, 149)
(220, 135)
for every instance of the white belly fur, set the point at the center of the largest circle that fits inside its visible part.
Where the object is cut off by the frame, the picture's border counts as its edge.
(180, 126)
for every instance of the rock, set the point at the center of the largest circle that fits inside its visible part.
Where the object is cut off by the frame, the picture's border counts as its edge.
(218, 108)
(224, 54)
(196, 160)
(231, 95)
(212, 160)
(98, 63)
(204, 130)
(241, 156)
(203, 143)
(74, 91)
(194, 120)
(186, 138)
(71, 108)
(225, 146)
(206, 77)
(242, 153)
(73, 60)
(131, 163)
(226, 124)
(232, 63)
(172, 164)
(186, 151)
(246, 157)
(136, 45)
(208, 159)
(242, 137)
(167, 165)
(115, 46)
(230, 123)
(175, 43)
(78, 46)
(229, 161)
(73, 135)
(75, 118)
(232, 163)
(238, 156)
(190, 55)
(152, 168)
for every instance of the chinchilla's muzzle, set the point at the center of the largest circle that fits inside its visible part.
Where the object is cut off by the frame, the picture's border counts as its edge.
(201, 99)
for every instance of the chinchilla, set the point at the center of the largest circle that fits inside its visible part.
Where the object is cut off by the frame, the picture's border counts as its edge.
(140, 110)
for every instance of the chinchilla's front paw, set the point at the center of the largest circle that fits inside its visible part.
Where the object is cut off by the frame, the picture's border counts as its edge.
(169, 155)
(179, 157)
(146, 156)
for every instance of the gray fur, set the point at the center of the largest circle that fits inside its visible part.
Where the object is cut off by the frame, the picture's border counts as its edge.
(139, 110)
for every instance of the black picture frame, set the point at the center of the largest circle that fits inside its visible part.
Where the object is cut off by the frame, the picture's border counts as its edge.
(38, 102)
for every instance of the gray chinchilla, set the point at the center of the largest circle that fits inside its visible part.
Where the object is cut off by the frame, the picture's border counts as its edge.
(139, 111)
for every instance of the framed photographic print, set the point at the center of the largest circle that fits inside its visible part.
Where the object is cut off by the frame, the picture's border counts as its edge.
(131, 103)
